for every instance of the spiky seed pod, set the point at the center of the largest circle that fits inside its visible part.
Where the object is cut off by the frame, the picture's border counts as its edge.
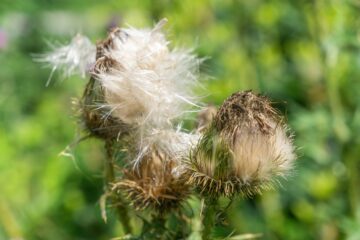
(153, 185)
(244, 150)
(205, 117)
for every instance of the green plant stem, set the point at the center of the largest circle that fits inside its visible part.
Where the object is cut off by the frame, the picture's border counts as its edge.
(158, 223)
(155, 229)
(208, 216)
(117, 201)
(351, 153)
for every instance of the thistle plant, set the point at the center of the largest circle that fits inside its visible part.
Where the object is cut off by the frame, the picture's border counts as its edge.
(139, 90)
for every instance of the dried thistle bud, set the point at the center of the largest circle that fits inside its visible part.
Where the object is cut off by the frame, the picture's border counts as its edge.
(154, 184)
(205, 117)
(244, 150)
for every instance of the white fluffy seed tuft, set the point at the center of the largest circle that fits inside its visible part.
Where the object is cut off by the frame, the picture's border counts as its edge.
(75, 58)
(258, 156)
(176, 144)
(151, 84)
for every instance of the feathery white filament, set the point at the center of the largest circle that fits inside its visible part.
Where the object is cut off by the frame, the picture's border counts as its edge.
(262, 156)
(174, 143)
(75, 58)
(153, 84)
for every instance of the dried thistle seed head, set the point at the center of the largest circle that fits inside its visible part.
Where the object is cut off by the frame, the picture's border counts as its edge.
(153, 185)
(153, 84)
(205, 117)
(244, 150)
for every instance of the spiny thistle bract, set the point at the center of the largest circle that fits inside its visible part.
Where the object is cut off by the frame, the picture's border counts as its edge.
(244, 150)
(154, 184)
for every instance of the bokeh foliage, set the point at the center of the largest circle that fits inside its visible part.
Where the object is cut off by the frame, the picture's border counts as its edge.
(304, 54)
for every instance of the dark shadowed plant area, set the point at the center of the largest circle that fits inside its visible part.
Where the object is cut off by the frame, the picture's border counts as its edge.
(303, 55)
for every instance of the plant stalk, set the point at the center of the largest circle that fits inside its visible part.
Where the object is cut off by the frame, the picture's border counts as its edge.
(208, 214)
(117, 201)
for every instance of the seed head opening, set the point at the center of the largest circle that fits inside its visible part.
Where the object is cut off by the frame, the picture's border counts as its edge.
(244, 150)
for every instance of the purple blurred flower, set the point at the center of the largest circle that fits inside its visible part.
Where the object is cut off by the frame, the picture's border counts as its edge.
(115, 21)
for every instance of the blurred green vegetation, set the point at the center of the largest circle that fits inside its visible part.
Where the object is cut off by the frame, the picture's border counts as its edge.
(304, 54)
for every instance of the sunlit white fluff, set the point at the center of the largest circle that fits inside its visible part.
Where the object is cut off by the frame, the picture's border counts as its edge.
(75, 58)
(176, 144)
(258, 156)
(154, 83)
(246, 161)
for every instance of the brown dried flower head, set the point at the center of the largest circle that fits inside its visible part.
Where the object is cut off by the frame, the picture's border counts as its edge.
(95, 115)
(155, 184)
(244, 150)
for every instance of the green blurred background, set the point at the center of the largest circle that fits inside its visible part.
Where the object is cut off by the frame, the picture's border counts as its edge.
(304, 54)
